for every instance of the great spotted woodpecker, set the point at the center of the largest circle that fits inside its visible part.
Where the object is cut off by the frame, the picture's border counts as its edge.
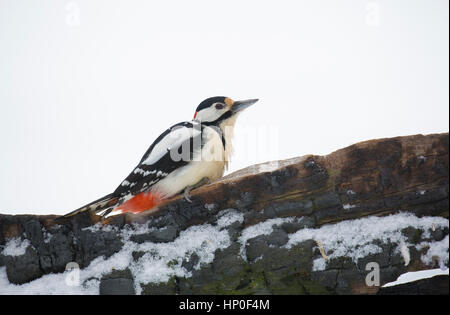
(184, 157)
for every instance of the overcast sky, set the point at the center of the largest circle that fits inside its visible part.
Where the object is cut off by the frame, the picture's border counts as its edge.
(86, 86)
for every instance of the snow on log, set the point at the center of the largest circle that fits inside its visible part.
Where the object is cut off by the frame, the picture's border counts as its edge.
(345, 223)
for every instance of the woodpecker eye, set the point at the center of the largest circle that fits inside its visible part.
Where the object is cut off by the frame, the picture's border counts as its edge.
(220, 106)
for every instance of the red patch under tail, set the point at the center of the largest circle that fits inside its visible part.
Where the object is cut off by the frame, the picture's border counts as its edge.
(141, 202)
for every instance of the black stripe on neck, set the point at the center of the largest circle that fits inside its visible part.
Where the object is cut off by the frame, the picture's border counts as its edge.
(216, 122)
(218, 130)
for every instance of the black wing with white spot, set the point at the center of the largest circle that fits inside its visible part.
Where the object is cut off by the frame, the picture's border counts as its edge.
(171, 150)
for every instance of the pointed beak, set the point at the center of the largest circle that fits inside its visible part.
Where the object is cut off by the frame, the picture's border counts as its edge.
(241, 105)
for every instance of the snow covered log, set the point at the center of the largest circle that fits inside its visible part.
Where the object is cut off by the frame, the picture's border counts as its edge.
(309, 225)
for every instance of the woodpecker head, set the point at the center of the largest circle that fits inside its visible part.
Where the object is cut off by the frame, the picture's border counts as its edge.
(215, 110)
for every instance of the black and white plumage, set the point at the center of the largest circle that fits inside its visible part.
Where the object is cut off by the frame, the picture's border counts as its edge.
(181, 158)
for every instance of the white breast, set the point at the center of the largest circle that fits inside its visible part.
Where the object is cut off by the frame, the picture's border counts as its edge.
(210, 162)
(227, 127)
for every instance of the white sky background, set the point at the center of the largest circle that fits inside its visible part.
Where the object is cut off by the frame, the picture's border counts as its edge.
(86, 86)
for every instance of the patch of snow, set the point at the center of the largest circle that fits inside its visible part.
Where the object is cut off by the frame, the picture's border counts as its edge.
(262, 228)
(348, 206)
(416, 275)
(436, 249)
(100, 227)
(47, 236)
(319, 264)
(354, 238)
(47, 285)
(210, 206)
(161, 261)
(228, 217)
(268, 167)
(15, 247)
(405, 253)
(135, 229)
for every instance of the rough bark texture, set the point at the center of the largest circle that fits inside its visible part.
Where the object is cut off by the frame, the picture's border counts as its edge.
(377, 177)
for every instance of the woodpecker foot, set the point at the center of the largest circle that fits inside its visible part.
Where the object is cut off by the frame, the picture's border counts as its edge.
(187, 196)
(187, 190)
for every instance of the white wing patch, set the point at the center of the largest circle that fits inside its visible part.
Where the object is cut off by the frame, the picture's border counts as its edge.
(142, 172)
(172, 140)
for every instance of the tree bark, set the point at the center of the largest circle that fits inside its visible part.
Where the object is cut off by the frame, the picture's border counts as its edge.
(373, 178)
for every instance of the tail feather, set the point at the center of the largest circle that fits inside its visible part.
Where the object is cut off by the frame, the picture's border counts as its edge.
(98, 205)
